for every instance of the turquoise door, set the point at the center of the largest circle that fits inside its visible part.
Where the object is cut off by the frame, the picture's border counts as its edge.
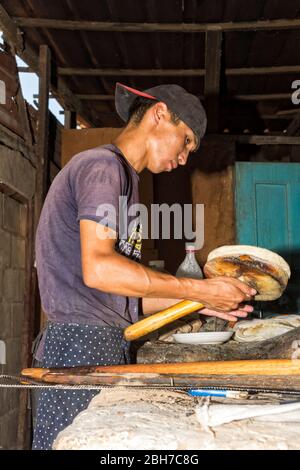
(267, 200)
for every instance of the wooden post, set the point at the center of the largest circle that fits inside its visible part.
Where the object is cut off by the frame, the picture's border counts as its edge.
(70, 120)
(213, 50)
(43, 157)
(43, 162)
(294, 127)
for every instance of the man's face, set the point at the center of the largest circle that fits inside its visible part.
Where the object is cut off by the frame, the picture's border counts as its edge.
(170, 146)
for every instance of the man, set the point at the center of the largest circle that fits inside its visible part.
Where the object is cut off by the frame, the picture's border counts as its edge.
(89, 277)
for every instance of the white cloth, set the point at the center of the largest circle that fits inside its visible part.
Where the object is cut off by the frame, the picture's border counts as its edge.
(259, 330)
(218, 414)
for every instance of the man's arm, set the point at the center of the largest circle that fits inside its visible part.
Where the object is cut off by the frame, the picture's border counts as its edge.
(151, 306)
(105, 269)
(154, 305)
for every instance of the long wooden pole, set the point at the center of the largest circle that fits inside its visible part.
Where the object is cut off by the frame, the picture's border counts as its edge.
(43, 161)
(276, 367)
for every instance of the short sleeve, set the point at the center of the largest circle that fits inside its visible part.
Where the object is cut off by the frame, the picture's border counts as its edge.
(98, 185)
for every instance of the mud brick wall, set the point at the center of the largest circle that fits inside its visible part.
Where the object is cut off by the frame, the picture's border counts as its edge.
(15, 172)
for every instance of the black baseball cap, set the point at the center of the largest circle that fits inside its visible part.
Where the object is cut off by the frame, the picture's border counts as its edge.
(185, 105)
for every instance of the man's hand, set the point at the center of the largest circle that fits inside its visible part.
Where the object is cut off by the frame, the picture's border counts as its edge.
(223, 294)
(241, 312)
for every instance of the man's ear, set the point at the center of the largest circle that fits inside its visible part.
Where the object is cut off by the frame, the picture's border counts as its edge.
(160, 111)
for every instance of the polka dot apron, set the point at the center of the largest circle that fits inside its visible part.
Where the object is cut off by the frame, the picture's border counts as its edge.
(70, 345)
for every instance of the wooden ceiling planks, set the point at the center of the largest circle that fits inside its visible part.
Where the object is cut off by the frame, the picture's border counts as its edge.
(163, 50)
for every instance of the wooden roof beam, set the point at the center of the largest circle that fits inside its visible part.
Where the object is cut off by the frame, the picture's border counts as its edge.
(262, 97)
(43, 160)
(107, 72)
(157, 27)
(254, 139)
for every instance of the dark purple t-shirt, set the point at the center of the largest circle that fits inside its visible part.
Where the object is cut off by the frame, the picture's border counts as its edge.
(83, 189)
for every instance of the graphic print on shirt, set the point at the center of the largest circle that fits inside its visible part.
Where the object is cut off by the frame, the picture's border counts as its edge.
(132, 247)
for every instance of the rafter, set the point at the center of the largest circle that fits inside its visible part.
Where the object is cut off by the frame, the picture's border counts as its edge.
(176, 72)
(258, 97)
(158, 27)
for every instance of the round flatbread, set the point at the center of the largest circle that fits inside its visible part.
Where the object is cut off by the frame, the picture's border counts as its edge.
(260, 253)
(259, 268)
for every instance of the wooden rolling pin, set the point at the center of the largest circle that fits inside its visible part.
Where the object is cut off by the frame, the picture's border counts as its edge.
(253, 367)
(154, 322)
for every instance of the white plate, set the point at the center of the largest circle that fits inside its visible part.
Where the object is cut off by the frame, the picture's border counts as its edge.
(205, 337)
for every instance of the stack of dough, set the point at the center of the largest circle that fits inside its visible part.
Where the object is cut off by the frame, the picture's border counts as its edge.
(259, 330)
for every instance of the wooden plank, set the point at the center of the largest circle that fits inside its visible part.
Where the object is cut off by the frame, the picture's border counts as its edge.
(257, 97)
(263, 70)
(77, 140)
(12, 140)
(24, 117)
(70, 120)
(294, 127)
(43, 161)
(254, 139)
(250, 97)
(26, 70)
(96, 97)
(213, 51)
(109, 72)
(267, 139)
(10, 29)
(30, 323)
(10, 121)
(263, 97)
(157, 27)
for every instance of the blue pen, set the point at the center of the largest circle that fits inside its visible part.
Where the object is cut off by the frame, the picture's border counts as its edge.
(199, 392)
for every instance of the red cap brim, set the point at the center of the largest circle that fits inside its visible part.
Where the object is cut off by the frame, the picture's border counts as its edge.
(124, 97)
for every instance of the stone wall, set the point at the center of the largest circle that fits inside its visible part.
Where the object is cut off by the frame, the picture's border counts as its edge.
(17, 182)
